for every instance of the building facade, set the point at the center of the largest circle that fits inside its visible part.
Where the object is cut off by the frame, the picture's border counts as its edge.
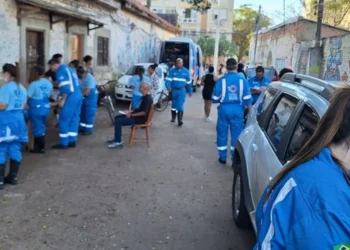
(193, 23)
(116, 34)
(288, 45)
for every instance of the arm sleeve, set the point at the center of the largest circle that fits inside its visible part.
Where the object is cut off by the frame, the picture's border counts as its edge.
(31, 90)
(247, 97)
(266, 82)
(216, 96)
(4, 95)
(250, 83)
(169, 79)
(65, 83)
(189, 83)
(132, 81)
(89, 82)
(320, 230)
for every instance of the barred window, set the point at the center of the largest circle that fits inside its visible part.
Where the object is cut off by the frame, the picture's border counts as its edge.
(102, 51)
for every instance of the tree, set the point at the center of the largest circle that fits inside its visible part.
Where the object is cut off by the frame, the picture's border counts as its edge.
(208, 46)
(226, 47)
(335, 12)
(200, 5)
(244, 21)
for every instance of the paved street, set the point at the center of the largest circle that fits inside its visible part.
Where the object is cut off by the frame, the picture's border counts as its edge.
(173, 195)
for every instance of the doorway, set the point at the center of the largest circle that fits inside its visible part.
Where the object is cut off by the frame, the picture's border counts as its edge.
(35, 48)
(77, 45)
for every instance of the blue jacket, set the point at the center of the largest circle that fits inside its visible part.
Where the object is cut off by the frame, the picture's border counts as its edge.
(256, 83)
(68, 82)
(308, 209)
(232, 88)
(179, 78)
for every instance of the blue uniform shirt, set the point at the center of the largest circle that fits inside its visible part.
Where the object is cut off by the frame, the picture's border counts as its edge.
(232, 88)
(179, 78)
(40, 89)
(308, 209)
(255, 83)
(136, 83)
(88, 82)
(68, 81)
(13, 95)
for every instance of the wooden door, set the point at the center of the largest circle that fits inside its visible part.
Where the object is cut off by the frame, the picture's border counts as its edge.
(35, 50)
(77, 44)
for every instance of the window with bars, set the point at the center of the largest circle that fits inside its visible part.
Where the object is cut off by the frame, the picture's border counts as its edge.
(102, 51)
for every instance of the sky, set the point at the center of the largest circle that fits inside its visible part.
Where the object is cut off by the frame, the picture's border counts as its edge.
(274, 8)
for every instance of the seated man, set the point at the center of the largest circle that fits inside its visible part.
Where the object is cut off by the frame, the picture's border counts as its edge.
(137, 116)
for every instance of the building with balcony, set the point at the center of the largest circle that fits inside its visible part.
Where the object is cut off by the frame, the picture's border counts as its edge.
(192, 23)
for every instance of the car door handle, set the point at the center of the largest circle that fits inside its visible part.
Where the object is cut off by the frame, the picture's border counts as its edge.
(255, 147)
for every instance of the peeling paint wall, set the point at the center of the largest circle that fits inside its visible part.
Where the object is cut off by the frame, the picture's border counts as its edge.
(132, 39)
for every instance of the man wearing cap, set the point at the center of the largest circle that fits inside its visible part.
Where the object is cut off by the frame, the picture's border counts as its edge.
(70, 104)
(232, 92)
(178, 82)
(258, 83)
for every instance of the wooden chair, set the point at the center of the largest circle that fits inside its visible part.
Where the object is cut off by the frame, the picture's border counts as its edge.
(146, 126)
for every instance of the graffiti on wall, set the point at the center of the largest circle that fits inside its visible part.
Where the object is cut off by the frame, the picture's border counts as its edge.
(334, 60)
(139, 45)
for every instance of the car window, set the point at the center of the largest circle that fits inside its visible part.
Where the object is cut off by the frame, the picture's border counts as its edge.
(269, 95)
(133, 70)
(269, 73)
(280, 118)
(305, 128)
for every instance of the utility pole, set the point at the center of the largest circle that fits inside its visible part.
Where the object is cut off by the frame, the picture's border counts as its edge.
(319, 22)
(217, 39)
(256, 34)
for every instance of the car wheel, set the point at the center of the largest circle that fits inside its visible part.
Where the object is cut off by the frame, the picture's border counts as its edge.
(239, 211)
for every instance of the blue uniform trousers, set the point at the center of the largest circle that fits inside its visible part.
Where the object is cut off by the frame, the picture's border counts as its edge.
(136, 101)
(38, 113)
(88, 113)
(11, 149)
(229, 115)
(69, 121)
(178, 99)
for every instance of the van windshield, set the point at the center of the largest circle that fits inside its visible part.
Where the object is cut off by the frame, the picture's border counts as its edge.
(133, 71)
(173, 50)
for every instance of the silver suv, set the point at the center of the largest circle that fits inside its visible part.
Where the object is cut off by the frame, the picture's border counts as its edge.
(282, 120)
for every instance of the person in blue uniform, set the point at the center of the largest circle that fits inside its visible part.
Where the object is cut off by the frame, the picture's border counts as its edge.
(90, 95)
(178, 82)
(307, 204)
(39, 93)
(232, 92)
(70, 104)
(135, 84)
(258, 83)
(13, 129)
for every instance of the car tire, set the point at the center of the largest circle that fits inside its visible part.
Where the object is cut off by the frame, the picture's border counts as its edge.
(239, 211)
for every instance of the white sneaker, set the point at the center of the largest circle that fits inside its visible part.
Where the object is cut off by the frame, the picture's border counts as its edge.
(208, 119)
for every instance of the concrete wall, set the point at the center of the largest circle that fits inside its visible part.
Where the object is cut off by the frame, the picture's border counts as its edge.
(289, 45)
(132, 39)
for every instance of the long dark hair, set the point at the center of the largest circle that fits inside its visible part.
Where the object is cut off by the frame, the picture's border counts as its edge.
(11, 69)
(140, 71)
(240, 69)
(334, 128)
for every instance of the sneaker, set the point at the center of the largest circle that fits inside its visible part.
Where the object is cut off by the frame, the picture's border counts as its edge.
(208, 119)
(222, 161)
(59, 146)
(115, 145)
(111, 140)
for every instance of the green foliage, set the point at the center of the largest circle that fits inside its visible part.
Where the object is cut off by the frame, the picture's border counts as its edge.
(335, 12)
(226, 47)
(244, 21)
(200, 5)
(207, 44)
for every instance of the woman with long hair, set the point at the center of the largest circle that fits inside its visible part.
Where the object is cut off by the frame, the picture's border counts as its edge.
(13, 129)
(208, 81)
(307, 205)
(90, 95)
(135, 84)
(240, 71)
(39, 93)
